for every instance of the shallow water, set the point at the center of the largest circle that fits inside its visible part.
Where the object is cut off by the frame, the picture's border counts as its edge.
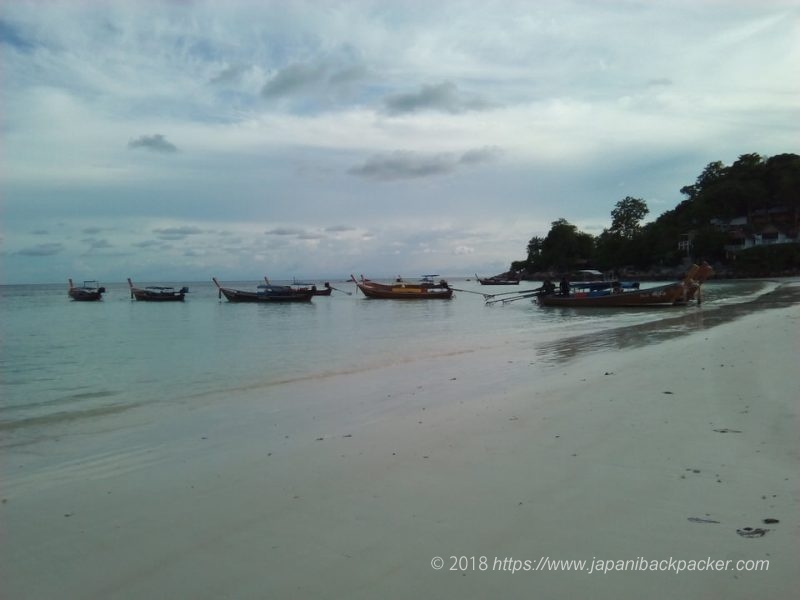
(65, 361)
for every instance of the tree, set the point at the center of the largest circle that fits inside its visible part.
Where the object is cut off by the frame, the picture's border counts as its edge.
(565, 247)
(783, 180)
(627, 216)
(535, 252)
(621, 244)
(711, 174)
(760, 190)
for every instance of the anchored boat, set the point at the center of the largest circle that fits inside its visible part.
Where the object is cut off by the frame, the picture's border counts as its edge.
(401, 290)
(157, 293)
(90, 291)
(297, 285)
(265, 293)
(497, 280)
(673, 294)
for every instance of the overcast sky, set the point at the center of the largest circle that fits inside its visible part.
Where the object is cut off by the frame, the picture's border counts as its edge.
(179, 140)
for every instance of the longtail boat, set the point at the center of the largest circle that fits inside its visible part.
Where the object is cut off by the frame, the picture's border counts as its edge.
(265, 293)
(497, 280)
(90, 291)
(157, 293)
(326, 289)
(401, 290)
(673, 294)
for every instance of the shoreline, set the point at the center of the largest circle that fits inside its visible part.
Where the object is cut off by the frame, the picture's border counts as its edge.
(349, 487)
(672, 322)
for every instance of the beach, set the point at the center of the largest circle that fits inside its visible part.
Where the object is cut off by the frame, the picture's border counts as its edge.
(352, 484)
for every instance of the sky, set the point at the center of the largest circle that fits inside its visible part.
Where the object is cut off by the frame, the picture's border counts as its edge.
(175, 141)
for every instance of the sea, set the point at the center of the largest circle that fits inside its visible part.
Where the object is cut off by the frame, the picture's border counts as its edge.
(64, 362)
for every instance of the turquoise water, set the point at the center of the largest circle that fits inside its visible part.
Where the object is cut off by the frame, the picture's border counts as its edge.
(64, 361)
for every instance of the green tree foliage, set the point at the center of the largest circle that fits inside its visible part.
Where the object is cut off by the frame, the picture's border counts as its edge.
(535, 246)
(769, 260)
(622, 243)
(627, 216)
(754, 189)
(782, 174)
(565, 247)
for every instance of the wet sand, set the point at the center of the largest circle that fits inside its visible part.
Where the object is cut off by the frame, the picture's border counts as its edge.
(349, 486)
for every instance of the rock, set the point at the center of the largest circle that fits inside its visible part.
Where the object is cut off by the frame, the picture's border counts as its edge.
(749, 532)
(701, 520)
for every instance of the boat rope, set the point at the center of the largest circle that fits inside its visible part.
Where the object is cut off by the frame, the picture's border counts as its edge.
(488, 297)
(485, 296)
(344, 292)
(528, 294)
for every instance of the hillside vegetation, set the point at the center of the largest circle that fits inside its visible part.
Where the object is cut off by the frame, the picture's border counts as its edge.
(742, 218)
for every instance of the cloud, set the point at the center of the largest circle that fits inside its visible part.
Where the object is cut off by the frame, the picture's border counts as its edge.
(154, 143)
(284, 231)
(292, 79)
(288, 100)
(229, 75)
(12, 36)
(339, 228)
(151, 244)
(480, 155)
(48, 249)
(444, 97)
(177, 233)
(413, 165)
(320, 83)
(403, 165)
(659, 82)
(98, 244)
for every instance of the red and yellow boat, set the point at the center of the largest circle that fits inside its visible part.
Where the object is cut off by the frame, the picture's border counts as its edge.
(402, 290)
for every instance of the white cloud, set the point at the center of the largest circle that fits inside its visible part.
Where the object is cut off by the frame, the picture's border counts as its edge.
(496, 113)
(155, 143)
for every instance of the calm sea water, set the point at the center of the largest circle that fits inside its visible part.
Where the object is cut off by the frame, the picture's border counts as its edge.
(63, 361)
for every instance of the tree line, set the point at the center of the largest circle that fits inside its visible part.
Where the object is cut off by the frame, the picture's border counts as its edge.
(725, 205)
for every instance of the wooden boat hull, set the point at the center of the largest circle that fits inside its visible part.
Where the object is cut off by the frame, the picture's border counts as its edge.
(673, 294)
(669, 295)
(405, 295)
(496, 281)
(85, 294)
(243, 296)
(80, 295)
(297, 287)
(404, 291)
(145, 296)
(157, 294)
(280, 295)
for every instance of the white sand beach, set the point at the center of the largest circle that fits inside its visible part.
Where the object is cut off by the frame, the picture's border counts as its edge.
(348, 486)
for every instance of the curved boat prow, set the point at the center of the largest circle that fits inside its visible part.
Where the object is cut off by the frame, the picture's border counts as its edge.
(219, 287)
(694, 280)
(704, 272)
(691, 273)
